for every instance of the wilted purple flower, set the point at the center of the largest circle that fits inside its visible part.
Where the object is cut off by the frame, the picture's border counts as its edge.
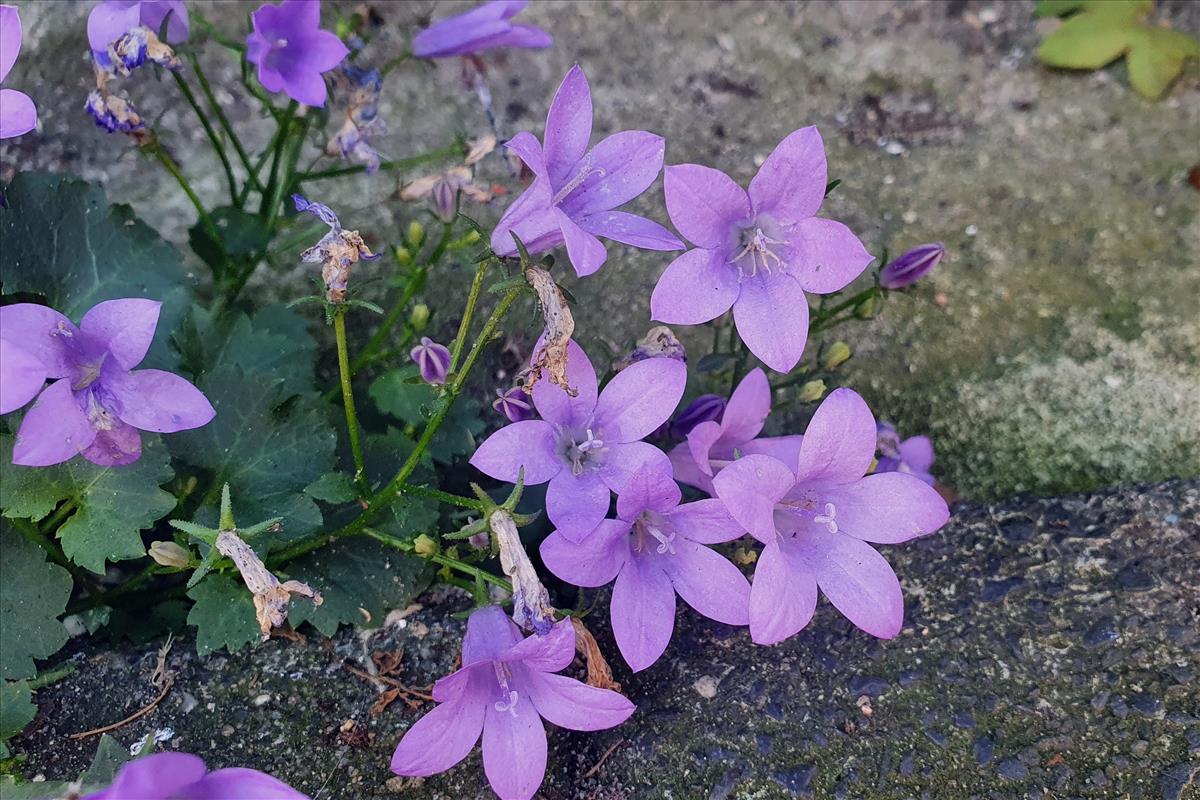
(113, 112)
(705, 408)
(140, 45)
(757, 251)
(482, 28)
(96, 404)
(575, 190)
(17, 112)
(292, 51)
(816, 515)
(444, 187)
(713, 444)
(182, 776)
(351, 142)
(910, 267)
(913, 456)
(336, 252)
(515, 404)
(112, 19)
(659, 342)
(586, 445)
(432, 359)
(655, 549)
(505, 688)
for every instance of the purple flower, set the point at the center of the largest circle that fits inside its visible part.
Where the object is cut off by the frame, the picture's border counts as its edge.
(506, 687)
(816, 514)
(655, 549)
(17, 113)
(705, 408)
(575, 190)
(757, 251)
(96, 404)
(482, 28)
(515, 404)
(181, 776)
(432, 359)
(912, 266)
(586, 445)
(112, 19)
(913, 456)
(713, 444)
(292, 51)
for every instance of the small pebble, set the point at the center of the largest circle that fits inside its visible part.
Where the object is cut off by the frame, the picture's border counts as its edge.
(262, 700)
(1012, 769)
(706, 686)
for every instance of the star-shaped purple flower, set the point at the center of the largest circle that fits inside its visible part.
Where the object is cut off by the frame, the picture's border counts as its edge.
(292, 51)
(575, 190)
(913, 456)
(758, 251)
(586, 445)
(482, 28)
(815, 517)
(506, 687)
(655, 549)
(713, 444)
(181, 776)
(112, 19)
(17, 112)
(96, 404)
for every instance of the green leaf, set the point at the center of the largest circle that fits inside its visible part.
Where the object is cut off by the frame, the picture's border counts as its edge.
(332, 487)
(110, 756)
(16, 708)
(63, 241)
(33, 593)
(1084, 42)
(1057, 8)
(395, 394)
(353, 577)
(1156, 59)
(268, 446)
(240, 232)
(113, 504)
(223, 615)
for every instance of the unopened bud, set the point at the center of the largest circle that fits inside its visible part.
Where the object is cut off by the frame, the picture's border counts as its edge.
(445, 200)
(812, 391)
(415, 236)
(419, 317)
(912, 266)
(432, 359)
(170, 554)
(472, 237)
(869, 307)
(402, 255)
(743, 557)
(839, 353)
(425, 546)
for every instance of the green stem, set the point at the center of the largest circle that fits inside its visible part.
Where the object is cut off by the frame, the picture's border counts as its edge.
(212, 134)
(56, 519)
(339, 329)
(450, 151)
(271, 194)
(173, 168)
(395, 62)
(821, 320)
(440, 558)
(103, 598)
(51, 676)
(442, 497)
(206, 88)
(464, 326)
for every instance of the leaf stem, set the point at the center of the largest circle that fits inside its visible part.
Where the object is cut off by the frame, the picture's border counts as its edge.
(206, 88)
(440, 558)
(442, 497)
(173, 168)
(339, 329)
(464, 326)
(212, 134)
(450, 151)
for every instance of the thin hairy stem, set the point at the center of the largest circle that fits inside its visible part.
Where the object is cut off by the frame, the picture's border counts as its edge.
(339, 330)
(212, 134)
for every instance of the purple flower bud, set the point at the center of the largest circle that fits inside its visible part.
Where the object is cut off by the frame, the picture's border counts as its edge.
(445, 200)
(432, 359)
(515, 404)
(704, 408)
(911, 266)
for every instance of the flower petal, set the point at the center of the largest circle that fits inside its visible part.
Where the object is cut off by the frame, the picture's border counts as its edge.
(708, 582)
(576, 504)
(643, 612)
(554, 404)
(619, 168)
(623, 460)
(548, 653)
(489, 633)
(593, 562)
(21, 376)
(154, 400)
(650, 487)
(239, 782)
(705, 521)
(43, 333)
(639, 398)
(532, 219)
(568, 126)
(917, 452)
(154, 12)
(529, 444)
(630, 229)
(790, 184)
(825, 256)
(10, 38)
(18, 114)
(108, 22)
(705, 204)
(750, 487)
(686, 471)
(771, 315)
(305, 86)
(568, 703)
(126, 327)
(839, 443)
(54, 429)
(785, 448)
(529, 150)
(157, 775)
(887, 508)
(783, 596)
(514, 749)
(700, 442)
(696, 287)
(748, 408)
(586, 252)
(856, 579)
(117, 444)
(440, 739)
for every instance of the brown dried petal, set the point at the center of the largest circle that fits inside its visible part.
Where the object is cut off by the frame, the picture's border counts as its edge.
(560, 325)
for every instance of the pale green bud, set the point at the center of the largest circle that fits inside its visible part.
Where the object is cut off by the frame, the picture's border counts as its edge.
(839, 353)
(170, 554)
(419, 317)
(812, 391)
(415, 235)
(425, 545)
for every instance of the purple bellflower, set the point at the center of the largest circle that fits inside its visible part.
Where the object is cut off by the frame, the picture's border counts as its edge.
(816, 515)
(181, 776)
(713, 444)
(17, 112)
(96, 404)
(759, 251)
(913, 456)
(292, 51)
(505, 688)
(910, 267)
(588, 444)
(515, 404)
(655, 549)
(575, 190)
(482, 28)
(112, 19)
(432, 359)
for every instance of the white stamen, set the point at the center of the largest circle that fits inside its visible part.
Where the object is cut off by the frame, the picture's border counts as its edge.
(828, 519)
(664, 540)
(758, 248)
(585, 172)
(511, 705)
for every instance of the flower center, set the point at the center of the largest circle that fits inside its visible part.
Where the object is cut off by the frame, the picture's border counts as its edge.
(281, 43)
(827, 516)
(89, 372)
(101, 418)
(648, 534)
(586, 170)
(509, 703)
(579, 453)
(756, 253)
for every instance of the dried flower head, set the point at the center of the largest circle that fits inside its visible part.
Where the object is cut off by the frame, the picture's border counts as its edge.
(336, 252)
